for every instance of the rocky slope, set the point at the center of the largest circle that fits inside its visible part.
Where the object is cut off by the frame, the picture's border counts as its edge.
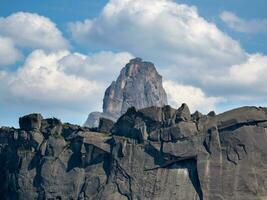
(138, 85)
(154, 153)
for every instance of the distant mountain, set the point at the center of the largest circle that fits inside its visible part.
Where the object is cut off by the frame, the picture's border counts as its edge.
(139, 85)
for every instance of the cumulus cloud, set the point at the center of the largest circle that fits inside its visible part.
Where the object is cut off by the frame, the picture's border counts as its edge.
(185, 47)
(32, 30)
(60, 82)
(8, 52)
(161, 31)
(245, 81)
(103, 66)
(242, 25)
(51, 79)
(22, 30)
(253, 71)
(41, 81)
(194, 97)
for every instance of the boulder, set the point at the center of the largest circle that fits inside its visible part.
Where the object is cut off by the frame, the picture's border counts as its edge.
(183, 113)
(30, 122)
(105, 125)
(51, 126)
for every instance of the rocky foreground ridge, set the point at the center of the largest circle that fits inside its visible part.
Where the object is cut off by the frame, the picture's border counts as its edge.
(139, 85)
(153, 153)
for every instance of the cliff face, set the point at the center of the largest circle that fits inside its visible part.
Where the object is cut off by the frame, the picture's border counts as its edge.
(154, 153)
(138, 85)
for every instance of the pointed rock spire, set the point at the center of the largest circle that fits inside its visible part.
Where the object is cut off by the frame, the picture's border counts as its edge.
(183, 113)
(139, 85)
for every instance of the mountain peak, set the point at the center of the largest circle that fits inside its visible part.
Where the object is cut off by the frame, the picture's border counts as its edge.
(136, 60)
(139, 85)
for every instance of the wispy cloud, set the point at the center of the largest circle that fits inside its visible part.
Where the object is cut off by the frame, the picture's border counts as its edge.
(242, 25)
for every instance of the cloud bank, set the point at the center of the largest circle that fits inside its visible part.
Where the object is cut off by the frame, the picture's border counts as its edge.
(50, 79)
(186, 48)
(194, 97)
(9, 54)
(201, 65)
(33, 31)
(30, 31)
(162, 31)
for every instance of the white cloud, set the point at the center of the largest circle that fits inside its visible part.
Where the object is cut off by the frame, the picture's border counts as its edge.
(161, 31)
(194, 97)
(40, 81)
(253, 71)
(60, 82)
(185, 47)
(27, 30)
(52, 79)
(245, 81)
(8, 52)
(242, 25)
(33, 31)
(103, 66)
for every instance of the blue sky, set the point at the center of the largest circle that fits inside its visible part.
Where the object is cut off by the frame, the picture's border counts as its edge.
(59, 56)
(62, 12)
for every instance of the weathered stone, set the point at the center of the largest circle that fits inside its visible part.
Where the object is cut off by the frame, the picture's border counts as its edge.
(159, 114)
(36, 139)
(51, 126)
(174, 133)
(105, 125)
(69, 129)
(138, 85)
(196, 116)
(94, 117)
(149, 155)
(211, 114)
(30, 122)
(183, 113)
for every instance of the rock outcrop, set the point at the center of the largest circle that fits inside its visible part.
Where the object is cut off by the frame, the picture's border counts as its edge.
(153, 153)
(138, 85)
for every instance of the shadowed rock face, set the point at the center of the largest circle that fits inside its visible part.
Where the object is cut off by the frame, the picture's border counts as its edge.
(138, 85)
(152, 153)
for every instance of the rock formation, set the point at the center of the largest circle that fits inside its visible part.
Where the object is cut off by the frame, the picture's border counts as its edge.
(153, 153)
(138, 85)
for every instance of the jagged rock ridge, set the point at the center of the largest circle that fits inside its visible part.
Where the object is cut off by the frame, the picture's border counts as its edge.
(138, 85)
(153, 153)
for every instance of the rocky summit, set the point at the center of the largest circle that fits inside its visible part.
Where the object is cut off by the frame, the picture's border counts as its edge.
(138, 85)
(156, 153)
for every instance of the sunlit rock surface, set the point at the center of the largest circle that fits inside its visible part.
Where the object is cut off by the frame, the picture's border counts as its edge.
(138, 85)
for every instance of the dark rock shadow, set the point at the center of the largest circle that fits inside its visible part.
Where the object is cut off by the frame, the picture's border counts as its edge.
(74, 161)
(191, 166)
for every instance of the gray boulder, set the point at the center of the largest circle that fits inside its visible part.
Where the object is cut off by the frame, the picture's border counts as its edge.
(30, 122)
(105, 125)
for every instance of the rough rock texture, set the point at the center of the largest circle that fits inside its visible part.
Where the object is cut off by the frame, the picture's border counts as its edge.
(138, 85)
(153, 153)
